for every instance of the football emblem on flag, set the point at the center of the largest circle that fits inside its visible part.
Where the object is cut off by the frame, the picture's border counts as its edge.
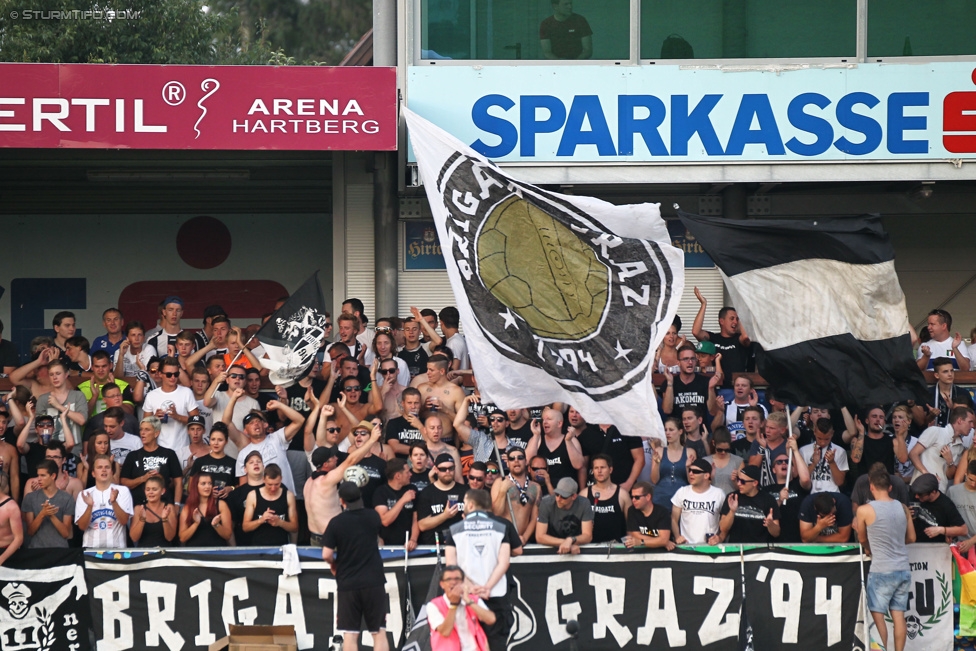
(542, 270)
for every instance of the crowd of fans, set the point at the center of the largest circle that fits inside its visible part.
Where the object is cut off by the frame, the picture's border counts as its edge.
(168, 436)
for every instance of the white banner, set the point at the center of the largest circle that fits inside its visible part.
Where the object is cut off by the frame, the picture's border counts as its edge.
(563, 298)
(930, 612)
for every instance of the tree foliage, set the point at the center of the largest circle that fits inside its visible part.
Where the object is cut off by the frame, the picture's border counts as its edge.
(220, 32)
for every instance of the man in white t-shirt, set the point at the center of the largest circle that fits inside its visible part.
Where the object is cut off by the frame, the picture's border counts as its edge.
(696, 508)
(826, 460)
(103, 511)
(244, 405)
(120, 442)
(942, 344)
(172, 404)
(273, 447)
(939, 449)
(450, 322)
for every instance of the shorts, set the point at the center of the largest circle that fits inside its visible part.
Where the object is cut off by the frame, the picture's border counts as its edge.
(316, 539)
(355, 606)
(888, 591)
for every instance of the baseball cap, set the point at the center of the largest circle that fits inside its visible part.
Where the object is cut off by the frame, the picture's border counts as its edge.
(322, 455)
(925, 484)
(443, 457)
(43, 417)
(752, 472)
(253, 453)
(706, 347)
(196, 420)
(349, 492)
(173, 299)
(702, 465)
(251, 416)
(566, 487)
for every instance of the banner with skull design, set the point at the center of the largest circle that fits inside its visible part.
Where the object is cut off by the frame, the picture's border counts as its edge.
(293, 334)
(44, 601)
(563, 298)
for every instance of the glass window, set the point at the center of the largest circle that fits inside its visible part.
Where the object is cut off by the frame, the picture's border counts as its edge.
(525, 29)
(935, 28)
(748, 29)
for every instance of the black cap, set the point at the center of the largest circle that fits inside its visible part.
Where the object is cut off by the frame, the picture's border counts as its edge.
(322, 455)
(212, 311)
(46, 417)
(251, 416)
(443, 457)
(196, 420)
(702, 465)
(752, 472)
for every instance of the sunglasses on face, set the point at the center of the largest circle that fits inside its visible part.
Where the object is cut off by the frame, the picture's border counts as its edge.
(695, 471)
(782, 462)
(636, 497)
(498, 419)
(171, 374)
(333, 430)
(516, 457)
(351, 389)
(473, 478)
(445, 469)
(723, 450)
(740, 480)
(236, 376)
(389, 371)
(154, 369)
(328, 324)
(493, 471)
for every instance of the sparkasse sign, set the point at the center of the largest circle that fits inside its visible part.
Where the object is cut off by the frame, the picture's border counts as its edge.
(197, 107)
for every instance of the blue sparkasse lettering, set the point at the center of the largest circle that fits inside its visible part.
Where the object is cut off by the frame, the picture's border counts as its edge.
(588, 107)
(767, 134)
(628, 125)
(500, 127)
(899, 123)
(809, 123)
(858, 122)
(684, 125)
(529, 126)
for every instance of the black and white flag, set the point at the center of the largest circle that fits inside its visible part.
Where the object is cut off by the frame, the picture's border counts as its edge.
(562, 298)
(293, 334)
(822, 299)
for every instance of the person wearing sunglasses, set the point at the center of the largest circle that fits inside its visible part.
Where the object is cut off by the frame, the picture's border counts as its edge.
(687, 387)
(442, 503)
(385, 377)
(791, 493)
(482, 443)
(696, 508)
(516, 494)
(749, 515)
(648, 524)
(172, 404)
(724, 463)
(234, 379)
(348, 408)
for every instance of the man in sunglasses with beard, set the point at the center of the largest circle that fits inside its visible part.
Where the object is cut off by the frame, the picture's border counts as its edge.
(515, 497)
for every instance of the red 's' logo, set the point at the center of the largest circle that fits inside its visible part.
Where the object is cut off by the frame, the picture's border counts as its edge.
(959, 116)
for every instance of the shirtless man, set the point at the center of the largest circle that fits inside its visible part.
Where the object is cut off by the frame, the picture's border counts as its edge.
(440, 395)
(515, 494)
(72, 485)
(9, 459)
(11, 522)
(320, 492)
(432, 429)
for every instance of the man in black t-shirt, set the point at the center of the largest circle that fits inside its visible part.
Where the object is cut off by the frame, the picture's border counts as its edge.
(688, 388)
(749, 515)
(413, 351)
(731, 341)
(826, 518)
(350, 548)
(793, 495)
(150, 461)
(400, 433)
(934, 515)
(442, 503)
(627, 452)
(648, 524)
(394, 501)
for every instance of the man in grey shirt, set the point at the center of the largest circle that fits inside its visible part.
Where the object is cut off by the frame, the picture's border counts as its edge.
(964, 497)
(885, 529)
(48, 511)
(565, 519)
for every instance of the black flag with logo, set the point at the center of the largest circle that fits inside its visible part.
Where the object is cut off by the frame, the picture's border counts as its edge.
(822, 299)
(293, 334)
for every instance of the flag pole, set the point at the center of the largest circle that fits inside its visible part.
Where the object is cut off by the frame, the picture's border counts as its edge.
(498, 456)
(236, 357)
(789, 453)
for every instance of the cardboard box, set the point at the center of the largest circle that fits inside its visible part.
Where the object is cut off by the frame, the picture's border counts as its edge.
(258, 638)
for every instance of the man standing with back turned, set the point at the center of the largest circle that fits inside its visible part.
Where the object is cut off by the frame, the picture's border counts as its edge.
(884, 527)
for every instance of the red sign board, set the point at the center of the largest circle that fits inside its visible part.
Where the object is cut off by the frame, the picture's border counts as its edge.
(197, 107)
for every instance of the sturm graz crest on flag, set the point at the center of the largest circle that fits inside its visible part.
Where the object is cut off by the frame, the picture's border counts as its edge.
(304, 330)
(549, 285)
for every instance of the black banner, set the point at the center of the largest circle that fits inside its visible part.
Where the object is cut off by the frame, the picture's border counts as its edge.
(682, 599)
(44, 604)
